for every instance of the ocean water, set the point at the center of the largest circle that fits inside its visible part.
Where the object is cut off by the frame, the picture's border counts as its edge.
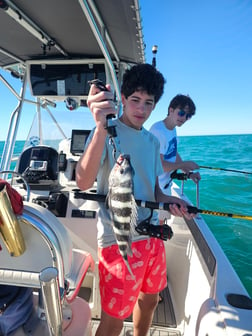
(220, 191)
(225, 192)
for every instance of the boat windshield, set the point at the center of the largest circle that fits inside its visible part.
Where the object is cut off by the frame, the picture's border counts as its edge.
(51, 125)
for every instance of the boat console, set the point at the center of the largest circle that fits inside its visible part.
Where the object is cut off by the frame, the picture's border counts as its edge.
(39, 166)
(51, 173)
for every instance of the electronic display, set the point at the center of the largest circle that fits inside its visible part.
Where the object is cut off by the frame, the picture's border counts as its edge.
(50, 79)
(40, 154)
(38, 165)
(78, 140)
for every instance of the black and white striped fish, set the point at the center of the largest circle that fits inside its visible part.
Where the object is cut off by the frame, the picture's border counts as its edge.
(122, 205)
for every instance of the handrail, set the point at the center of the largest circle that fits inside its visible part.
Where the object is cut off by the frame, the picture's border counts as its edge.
(12, 131)
(50, 238)
(5, 177)
(86, 10)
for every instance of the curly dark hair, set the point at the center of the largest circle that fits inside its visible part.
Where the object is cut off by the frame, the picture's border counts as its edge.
(143, 77)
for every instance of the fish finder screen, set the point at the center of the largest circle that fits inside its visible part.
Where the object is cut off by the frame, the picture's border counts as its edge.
(38, 165)
(39, 159)
(79, 138)
(39, 154)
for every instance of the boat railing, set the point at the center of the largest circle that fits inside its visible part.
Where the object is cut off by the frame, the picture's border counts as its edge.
(9, 175)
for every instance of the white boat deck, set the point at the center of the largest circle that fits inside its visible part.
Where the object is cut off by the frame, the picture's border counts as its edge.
(164, 321)
(128, 330)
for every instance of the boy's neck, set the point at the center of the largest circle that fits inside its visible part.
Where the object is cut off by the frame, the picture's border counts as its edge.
(168, 123)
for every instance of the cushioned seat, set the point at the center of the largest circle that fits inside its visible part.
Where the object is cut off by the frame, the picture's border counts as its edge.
(48, 245)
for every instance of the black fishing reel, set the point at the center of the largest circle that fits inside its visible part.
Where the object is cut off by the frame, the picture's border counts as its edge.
(180, 176)
(163, 232)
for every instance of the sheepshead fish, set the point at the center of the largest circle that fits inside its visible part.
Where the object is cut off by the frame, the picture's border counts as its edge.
(122, 205)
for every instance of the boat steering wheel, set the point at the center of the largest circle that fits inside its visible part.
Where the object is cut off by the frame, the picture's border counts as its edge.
(27, 187)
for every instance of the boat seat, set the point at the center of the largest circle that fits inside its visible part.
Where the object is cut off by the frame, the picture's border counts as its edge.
(48, 244)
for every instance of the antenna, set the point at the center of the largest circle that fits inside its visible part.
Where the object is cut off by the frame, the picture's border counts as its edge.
(154, 51)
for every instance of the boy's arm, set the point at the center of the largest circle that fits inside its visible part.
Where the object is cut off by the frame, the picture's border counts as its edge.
(101, 104)
(186, 166)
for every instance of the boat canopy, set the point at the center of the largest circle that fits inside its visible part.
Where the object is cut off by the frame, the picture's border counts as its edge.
(58, 46)
(73, 29)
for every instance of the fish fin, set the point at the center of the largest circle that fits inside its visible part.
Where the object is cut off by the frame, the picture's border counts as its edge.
(133, 222)
(107, 200)
(133, 219)
(129, 269)
(129, 250)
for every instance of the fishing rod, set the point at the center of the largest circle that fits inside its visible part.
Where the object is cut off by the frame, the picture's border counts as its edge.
(161, 206)
(225, 169)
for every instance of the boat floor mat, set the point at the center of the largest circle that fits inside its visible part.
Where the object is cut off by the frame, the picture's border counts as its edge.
(128, 330)
(164, 315)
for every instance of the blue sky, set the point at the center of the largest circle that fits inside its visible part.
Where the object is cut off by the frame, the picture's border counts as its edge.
(204, 50)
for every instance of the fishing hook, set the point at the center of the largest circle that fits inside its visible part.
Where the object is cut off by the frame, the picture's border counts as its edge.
(112, 143)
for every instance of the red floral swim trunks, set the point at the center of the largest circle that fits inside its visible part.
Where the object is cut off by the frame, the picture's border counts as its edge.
(119, 290)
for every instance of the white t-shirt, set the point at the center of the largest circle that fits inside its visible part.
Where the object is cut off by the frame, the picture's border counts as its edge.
(168, 147)
(144, 152)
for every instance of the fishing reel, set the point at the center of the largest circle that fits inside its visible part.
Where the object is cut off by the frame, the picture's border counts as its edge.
(180, 176)
(163, 232)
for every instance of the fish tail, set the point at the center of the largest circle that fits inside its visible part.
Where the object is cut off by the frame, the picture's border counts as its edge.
(129, 269)
(129, 250)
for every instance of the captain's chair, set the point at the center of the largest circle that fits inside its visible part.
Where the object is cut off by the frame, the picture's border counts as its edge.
(48, 248)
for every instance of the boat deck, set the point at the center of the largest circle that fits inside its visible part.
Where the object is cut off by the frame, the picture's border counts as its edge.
(163, 319)
(164, 315)
(128, 330)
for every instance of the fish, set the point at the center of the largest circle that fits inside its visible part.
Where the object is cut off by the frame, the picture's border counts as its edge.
(122, 205)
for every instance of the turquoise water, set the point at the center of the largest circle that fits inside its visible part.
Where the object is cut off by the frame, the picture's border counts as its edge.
(221, 191)
(225, 192)
(17, 150)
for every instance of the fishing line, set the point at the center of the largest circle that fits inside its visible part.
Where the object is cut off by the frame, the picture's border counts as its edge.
(225, 169)
(217, 213)
(162, 206)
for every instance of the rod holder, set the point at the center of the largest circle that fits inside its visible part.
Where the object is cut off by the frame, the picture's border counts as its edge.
(9, 226)
(51, 300)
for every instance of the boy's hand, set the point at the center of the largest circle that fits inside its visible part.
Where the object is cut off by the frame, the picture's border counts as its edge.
(101, 104)
(177, 207)
(195, 177)
(189, 165)
(180, 210)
